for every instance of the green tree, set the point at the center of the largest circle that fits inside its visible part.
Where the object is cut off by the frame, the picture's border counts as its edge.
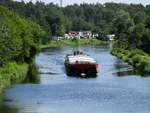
(5, 44)
(19, 38)
(139, 17)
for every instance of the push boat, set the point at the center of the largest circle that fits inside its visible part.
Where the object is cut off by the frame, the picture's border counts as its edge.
(81, 65)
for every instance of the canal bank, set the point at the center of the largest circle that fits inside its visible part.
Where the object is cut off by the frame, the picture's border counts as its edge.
(72, 42)
(12, 73)
(19, 40)
(135, 57)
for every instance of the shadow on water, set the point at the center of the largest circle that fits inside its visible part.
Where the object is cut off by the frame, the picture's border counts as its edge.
(4, 108)
(33, 74)
(130, 73)
(125, 73)
(32, 77)
(127, 70)
(50, 49)
(51, 73)
(79, 75)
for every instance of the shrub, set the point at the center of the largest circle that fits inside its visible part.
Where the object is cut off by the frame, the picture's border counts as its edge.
(12, 73)
(137, 58)
(20, 38)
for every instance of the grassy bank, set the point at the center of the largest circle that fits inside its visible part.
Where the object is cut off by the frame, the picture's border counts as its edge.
(72, 42)
(137, 58)
(12, 73)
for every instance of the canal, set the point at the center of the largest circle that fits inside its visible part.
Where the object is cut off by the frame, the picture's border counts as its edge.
(116, 89)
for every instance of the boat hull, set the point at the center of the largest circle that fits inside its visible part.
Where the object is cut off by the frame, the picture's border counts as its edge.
(82, 70)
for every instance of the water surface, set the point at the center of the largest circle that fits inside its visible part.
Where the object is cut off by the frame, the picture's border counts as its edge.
(115, 90)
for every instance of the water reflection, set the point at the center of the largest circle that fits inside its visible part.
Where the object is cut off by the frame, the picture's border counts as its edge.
(33, 74)
(4, 108)
(124, 73)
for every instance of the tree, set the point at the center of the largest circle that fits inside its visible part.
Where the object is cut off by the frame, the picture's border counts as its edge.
(19, 38)
(122, 24)
(139, 17)
(5, 45)
(138, 31)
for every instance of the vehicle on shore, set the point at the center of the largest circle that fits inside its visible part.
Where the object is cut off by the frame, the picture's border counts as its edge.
(81, 65)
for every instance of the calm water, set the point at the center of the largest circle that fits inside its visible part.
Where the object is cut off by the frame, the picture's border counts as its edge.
(116, 90)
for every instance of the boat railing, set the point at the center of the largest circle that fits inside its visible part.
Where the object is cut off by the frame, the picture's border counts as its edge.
(77, 53)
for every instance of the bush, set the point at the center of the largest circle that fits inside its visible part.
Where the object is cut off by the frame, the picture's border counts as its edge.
(133, 52)
(12, 73)
(20, 38)
(137, 58)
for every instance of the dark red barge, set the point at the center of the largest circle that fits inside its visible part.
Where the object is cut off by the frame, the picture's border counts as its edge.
(81, 65)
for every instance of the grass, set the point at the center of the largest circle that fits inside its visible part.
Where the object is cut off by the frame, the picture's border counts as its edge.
(137, 58)
(72, 42)
(12, 73)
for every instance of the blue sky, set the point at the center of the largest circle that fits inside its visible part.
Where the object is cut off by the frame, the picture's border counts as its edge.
(68, 2)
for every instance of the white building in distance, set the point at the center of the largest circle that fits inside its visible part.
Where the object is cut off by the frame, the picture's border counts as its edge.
(79, 34)
(111, 37)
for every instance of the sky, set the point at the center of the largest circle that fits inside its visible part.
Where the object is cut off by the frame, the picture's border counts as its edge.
(69, 2)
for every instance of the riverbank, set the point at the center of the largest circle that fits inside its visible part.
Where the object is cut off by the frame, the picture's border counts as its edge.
(12, 73)
(137, 58)
(72, 42)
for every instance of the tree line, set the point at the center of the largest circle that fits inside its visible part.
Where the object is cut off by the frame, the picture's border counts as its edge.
(19, 38)
(130, 22)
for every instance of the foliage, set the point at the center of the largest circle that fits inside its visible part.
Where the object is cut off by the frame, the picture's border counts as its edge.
(72, 42)
(12, 73)
(19, 38)
(137, 58)
(5, 44)
(33, 74)
(130, 23)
